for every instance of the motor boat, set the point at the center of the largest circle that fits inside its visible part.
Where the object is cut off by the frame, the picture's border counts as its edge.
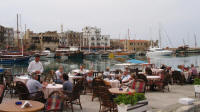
(158, 52)
(48, 53)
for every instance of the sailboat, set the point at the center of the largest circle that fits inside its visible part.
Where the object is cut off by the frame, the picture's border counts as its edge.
(158, 51)
(14, 57)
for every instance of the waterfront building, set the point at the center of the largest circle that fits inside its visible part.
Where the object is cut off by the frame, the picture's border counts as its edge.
(134, 45)
(42, 41)
(6, 37)
(72, 38)
(92, 39)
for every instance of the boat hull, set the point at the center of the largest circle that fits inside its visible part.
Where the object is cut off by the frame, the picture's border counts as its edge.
(159, 53)
(14, 60)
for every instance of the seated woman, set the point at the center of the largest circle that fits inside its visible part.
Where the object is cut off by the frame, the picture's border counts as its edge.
(67, 85)
(50, 77)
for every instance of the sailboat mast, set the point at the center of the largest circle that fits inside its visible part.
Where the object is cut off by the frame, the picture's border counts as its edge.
(195, 39)
(128, 40)
(17, 31)
(159, 34)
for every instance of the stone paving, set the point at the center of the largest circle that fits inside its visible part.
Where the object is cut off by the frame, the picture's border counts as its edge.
(157, 100)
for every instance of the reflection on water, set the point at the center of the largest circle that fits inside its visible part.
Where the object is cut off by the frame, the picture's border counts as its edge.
(102, 64)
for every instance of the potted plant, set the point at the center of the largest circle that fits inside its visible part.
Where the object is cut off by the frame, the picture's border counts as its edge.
(131, 102)
(197, 86)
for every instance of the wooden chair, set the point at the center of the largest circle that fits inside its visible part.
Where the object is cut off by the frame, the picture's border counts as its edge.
(2, 89)
(139, 85)
(106, 100)
(74, 96)
(177, 77)
(96, 83)
(9, 83)
(55, 102)
(163, 82)
(23, 93)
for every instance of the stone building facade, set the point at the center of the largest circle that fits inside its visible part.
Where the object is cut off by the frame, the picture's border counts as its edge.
(132, 45)
(42, 41)
(6, 37)
(92, 39)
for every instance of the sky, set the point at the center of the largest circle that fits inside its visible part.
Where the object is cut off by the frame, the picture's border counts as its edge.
(178, 20)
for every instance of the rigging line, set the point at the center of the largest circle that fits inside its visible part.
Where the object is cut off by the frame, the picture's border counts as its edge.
(168, 38)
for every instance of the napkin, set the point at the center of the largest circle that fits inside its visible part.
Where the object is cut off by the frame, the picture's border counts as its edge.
(186, 101)
(26, 104)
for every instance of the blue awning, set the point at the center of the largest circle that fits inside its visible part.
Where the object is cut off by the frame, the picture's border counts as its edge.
(136, 61)
(1, 70)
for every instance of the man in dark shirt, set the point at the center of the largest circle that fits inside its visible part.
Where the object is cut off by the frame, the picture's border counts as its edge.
(67, 85)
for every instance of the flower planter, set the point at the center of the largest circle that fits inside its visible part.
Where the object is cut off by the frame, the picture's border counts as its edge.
(197, 88)
(141, 106)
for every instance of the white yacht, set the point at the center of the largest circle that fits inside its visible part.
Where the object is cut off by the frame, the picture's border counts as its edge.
(48, 53)
(158, 52)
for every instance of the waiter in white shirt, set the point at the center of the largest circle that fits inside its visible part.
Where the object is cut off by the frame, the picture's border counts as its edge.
(36, 67)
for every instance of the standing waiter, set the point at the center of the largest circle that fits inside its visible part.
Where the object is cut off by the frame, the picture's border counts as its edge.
(36, 67)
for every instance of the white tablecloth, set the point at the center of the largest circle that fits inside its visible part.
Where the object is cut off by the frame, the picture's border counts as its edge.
(23, 78)
(186, 74)
(113, 83)
(50, 88)
(156, 71)
(71, 77)
(82, 72)
(153, 77)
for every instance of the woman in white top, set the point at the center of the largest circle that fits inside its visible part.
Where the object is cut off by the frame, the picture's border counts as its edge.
(59, 73)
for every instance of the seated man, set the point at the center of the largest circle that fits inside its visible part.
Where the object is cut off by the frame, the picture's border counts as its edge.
(59, 74)
(106, 73)
(130, 81)
(125, 77)
(67, 85)
(34, 85)
(148, 71)
(90, 78)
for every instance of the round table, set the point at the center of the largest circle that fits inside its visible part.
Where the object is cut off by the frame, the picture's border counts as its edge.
(23, 78)
(50, 88)
(10, 106)
(117, 91)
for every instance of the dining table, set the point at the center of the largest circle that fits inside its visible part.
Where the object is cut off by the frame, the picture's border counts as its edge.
(50, 88)
(22, 78)
(118, 91)
(10, 106)
(73, 77)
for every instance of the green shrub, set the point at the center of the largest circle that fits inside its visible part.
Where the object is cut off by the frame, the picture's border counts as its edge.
(129, 99)
(196, 81)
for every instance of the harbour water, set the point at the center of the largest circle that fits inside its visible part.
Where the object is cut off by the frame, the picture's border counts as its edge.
(102, 64)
